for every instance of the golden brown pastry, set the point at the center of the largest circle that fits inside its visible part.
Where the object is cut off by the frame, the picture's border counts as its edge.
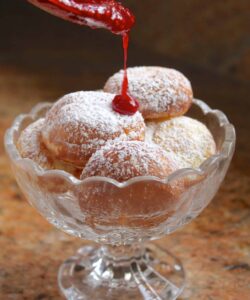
(30, 145)
(189, 139)
(162, 93)
(141, 204)
(124, 160)
(80, 123)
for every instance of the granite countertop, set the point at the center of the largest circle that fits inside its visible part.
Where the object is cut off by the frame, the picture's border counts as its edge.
(215, 248)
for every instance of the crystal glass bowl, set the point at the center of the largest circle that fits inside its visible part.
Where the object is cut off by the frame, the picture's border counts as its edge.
(120, 217)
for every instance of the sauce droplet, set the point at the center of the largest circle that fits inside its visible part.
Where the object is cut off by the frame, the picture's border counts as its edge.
(125, 105)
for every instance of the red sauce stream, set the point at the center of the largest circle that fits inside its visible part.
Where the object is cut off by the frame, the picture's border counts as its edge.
(124, 104)
(125, 40)
(107, 14)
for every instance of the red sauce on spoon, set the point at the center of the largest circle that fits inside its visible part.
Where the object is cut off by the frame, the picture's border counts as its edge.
(107, 14)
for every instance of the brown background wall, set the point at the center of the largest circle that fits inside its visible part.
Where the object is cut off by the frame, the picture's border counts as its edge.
(209, 34)
(212, 34)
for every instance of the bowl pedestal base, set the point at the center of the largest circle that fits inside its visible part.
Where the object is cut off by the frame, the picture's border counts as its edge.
(122, 273)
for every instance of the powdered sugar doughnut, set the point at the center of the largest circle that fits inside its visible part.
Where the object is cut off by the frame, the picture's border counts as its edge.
(142, 204)
(161, 92)
(124, 160)
(30, 145)
(189, 139)
(80, 123)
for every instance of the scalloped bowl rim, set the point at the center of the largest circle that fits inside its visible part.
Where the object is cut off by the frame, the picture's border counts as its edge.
(206, 166)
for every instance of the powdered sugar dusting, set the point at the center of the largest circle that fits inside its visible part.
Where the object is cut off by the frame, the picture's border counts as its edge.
(84, 121)
(30, 146)
(157, 89)
(124, 160)
(189, 139)
(150, 130)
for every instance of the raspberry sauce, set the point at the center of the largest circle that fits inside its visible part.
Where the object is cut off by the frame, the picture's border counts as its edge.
(124, 104)
(107, 14)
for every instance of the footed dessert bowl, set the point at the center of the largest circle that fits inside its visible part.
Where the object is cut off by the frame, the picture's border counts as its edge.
(121, 217)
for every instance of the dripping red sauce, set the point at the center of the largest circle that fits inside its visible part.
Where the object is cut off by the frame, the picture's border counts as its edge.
(107, 14)
(123, 103)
